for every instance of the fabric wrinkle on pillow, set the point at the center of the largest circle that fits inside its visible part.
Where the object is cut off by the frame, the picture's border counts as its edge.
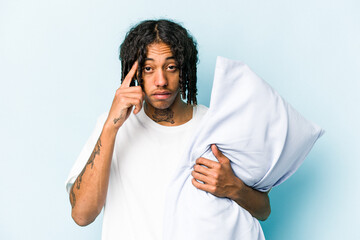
(265, 139)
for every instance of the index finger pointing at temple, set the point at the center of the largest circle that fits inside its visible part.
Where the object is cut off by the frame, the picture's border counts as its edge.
(130, 75)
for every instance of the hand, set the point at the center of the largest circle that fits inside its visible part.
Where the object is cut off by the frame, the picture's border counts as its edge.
(218, 177)
(125, 98)
(220, 180)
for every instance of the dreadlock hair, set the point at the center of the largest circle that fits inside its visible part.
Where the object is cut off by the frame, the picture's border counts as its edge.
(182, 45)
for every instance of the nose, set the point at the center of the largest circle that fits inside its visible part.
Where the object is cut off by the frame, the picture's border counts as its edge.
(160, 79)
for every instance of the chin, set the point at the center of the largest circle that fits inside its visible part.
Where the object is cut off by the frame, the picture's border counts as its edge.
(161, 105)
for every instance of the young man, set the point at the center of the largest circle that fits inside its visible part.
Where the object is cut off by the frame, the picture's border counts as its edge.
(129, 159)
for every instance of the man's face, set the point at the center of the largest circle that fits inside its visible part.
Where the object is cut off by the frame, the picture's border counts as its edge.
(160, 77)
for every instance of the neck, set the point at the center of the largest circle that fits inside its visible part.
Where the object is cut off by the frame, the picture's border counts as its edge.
(177, 114)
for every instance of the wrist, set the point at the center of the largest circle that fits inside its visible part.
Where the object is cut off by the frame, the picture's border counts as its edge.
(109, 130)
(238, 190)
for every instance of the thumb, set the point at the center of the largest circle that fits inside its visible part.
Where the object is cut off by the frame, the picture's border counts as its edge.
(218, 154)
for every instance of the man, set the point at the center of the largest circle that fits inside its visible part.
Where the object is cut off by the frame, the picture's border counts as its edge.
(137, 145)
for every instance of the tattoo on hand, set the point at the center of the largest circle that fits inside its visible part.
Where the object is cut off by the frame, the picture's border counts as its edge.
(89, 162)
(163, 115)
(118, 119)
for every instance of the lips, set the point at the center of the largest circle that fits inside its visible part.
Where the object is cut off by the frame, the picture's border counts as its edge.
(161, 94)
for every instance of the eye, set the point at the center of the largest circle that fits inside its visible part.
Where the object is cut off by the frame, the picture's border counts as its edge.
(147, 69)
(172, 67)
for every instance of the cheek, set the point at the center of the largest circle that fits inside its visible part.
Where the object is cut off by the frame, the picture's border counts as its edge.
(174, 81)
(146, 84)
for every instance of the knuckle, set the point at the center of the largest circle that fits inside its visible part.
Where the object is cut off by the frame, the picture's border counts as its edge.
(118, 92)
(196, 167)
(139, 96)
(122, 100)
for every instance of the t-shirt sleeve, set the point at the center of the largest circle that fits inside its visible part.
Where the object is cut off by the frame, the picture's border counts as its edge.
(85, 152)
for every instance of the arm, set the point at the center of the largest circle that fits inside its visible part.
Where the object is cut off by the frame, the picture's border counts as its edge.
(219, 179)
(88, 193)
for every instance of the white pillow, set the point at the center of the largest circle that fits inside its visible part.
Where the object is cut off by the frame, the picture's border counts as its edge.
(264, 136)
(265, 139)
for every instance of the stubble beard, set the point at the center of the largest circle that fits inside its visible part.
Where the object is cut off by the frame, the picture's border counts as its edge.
(163, 113)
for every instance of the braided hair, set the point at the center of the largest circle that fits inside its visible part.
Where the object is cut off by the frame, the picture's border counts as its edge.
(182, 45)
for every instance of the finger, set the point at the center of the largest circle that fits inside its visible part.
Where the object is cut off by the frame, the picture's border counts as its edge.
(129, 95)
(135, 89)
(132, 92)
(138, 107)
(201, 169)
(218, 154)
(201, 186)
(201, 177)
(134, 101)
(122, 94)
(127, 102)
(208, 163)
(130, 75)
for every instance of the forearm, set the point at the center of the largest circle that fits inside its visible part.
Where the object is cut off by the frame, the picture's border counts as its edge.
(255, 202)
(88, 193)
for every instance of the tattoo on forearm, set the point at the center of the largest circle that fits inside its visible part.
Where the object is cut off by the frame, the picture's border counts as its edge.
(95, 152)
(118, 119)
(90, 162)
(72, 197)
(163, 115)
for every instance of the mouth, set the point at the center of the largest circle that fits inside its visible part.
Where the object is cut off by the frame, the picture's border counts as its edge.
(161, 95)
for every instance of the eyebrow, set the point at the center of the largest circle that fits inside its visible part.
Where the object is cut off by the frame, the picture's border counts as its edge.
(168, 58)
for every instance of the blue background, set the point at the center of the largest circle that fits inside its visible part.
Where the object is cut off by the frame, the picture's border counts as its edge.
(59, 70)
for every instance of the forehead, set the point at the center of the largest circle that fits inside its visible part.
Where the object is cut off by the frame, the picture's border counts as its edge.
(158, 49)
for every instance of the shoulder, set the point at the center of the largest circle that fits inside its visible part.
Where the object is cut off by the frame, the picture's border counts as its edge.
(102, 119)
(200, 110)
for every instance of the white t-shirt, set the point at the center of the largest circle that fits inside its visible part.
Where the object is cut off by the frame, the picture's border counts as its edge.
(145, 156)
